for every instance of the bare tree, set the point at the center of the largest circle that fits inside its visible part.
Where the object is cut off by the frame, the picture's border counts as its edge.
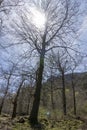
(73, 87)
(16, 99)
(60, 62)
(58, 29)
(7, 77)
(73, 66)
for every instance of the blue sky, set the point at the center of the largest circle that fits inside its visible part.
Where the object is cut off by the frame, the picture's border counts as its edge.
(82, 42)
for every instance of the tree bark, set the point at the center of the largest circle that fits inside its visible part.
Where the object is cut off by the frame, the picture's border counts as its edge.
(52, 100)
(64, 94)
(3, 100)
(74, 97)
(28, 106)
(35, 108)
(15, 101)
(5, 94)
(2, 103)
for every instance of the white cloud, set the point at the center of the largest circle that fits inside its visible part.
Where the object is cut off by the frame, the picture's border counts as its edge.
(83, 26)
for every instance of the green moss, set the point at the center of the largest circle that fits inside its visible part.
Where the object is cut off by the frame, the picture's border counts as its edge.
(76, 93)
(66, 123)
(67, 90)
(19, 126)
(42, 112)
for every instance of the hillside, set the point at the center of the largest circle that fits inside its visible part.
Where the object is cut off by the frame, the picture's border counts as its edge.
(51, 109)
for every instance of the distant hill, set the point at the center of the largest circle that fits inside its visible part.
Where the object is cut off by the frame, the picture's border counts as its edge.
(80, 80)
(26, 96)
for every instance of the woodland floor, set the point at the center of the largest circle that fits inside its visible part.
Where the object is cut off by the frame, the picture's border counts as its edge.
(66, 123)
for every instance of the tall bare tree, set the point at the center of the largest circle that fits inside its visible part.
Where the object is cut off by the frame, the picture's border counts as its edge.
(58, 29)
(59, 61)
(73, 66)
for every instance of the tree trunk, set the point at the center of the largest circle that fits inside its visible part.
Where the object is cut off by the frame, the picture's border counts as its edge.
(14, 109)
(64, 94)
(15, 101)
(74, 97)
(35, 108)
(2, 103)
(52, 101)
(3, 99)
(28, 106)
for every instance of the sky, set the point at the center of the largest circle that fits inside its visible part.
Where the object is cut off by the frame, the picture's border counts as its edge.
(10, 53)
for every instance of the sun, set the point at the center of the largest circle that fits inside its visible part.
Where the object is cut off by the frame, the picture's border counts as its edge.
(38, 17)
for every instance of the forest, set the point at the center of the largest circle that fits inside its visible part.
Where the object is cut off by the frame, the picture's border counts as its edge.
(43, 65)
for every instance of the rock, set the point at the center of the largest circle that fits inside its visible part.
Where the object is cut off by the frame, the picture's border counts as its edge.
(45, 121)
(81, 119)
(5, 128)
(52, 126)
(38, 126)
(21, 120)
